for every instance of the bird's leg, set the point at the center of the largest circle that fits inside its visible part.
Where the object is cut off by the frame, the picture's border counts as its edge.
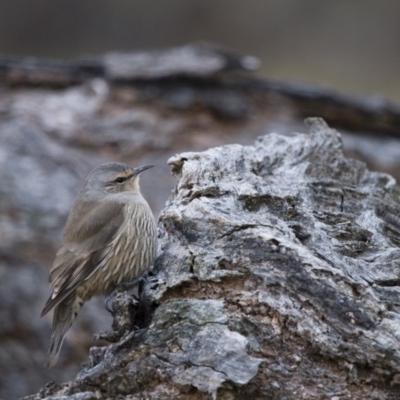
(123, 312)
(125, 308)
(124, 287)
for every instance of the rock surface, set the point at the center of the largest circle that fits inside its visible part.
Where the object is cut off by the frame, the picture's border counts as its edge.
(277, 278)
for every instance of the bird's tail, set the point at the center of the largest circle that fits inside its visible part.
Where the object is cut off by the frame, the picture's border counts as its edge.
(64, 315)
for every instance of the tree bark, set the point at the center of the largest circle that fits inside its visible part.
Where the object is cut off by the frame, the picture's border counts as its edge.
(277, 278)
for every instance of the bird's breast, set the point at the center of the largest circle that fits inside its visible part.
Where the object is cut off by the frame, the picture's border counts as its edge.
(130, 253)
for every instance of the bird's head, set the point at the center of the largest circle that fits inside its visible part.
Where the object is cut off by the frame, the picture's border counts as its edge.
(115, 177)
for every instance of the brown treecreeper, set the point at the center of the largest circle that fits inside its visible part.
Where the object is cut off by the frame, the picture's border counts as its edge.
(110, 237)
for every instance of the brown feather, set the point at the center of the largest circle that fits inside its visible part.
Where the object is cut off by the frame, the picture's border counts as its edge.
(110, 237)
(64, 315)
(80, 254)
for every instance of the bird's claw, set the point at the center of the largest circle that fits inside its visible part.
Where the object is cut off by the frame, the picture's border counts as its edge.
(106, 301)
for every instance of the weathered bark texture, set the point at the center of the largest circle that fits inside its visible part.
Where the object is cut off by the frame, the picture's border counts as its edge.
(59, 119)
(278, 278)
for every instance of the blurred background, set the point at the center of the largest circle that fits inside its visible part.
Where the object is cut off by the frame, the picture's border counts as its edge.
(351, 45)
(50, 138)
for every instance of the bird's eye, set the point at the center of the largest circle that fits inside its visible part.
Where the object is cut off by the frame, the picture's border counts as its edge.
(120, 179)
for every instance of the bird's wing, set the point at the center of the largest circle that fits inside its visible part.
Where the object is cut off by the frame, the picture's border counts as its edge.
(84, 247)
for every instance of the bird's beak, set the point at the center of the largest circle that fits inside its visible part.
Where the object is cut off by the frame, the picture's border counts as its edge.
(140, 169)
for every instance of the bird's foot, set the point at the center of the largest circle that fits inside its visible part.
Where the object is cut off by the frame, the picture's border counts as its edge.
(124, 310)
(130, 313)
(121, 288)
(115, 299)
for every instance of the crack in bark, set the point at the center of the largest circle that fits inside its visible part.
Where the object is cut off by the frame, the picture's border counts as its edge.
(237, 229)
(388, 282)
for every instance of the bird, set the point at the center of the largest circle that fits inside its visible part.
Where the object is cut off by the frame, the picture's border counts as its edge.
(110, 237)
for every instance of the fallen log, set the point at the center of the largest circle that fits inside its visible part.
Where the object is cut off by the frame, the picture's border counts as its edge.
(277, 278)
